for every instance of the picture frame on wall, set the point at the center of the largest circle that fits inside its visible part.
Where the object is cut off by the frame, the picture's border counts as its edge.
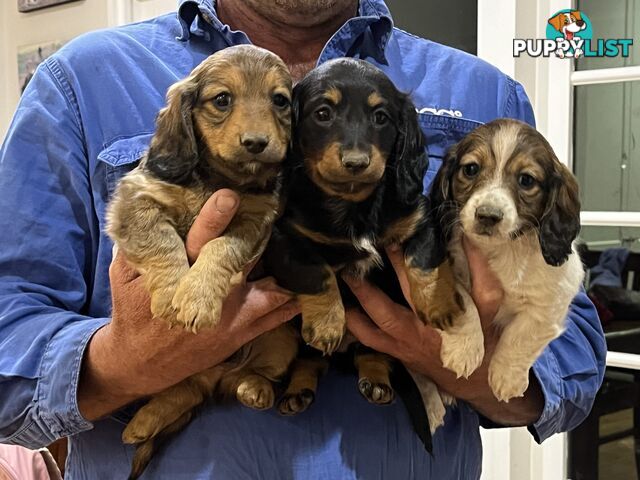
(30, 5)
(30, 56)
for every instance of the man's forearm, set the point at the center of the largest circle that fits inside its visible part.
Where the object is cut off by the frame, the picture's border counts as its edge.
(517, 412)
(101, 390)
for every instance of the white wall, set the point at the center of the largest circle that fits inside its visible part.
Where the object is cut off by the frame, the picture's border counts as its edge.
(50, 24)
(61, 23)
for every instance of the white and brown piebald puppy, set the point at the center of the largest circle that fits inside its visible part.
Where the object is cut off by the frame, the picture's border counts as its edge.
(503, 188)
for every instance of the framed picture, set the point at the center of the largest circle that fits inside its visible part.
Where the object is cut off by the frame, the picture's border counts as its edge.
(29, 5)
(30, 56)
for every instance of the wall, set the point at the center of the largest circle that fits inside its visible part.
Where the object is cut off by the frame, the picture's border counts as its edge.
(450, 23)
(42, 26)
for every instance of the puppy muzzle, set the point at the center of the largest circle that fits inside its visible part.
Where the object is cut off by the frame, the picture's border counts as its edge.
(355, 162)
(490, 213)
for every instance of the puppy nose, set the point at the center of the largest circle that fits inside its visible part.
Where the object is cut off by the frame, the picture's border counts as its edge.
(355, 161)
(580, 23)
(488, 216)
(254, 142)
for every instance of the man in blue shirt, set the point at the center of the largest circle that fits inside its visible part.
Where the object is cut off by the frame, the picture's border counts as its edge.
(69, 364)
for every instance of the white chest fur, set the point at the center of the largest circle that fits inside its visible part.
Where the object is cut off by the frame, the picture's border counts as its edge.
(527, 280)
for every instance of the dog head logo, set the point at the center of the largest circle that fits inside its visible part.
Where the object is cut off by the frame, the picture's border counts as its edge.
(569, 34)
(569, 28)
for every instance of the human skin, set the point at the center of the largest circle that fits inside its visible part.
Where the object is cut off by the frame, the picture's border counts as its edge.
(394, 329)
(135, 355)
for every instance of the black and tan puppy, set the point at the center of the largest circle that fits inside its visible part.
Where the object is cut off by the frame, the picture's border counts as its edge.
(357, 166)
(227, 125)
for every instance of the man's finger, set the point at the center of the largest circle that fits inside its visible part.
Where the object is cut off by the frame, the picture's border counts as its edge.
(486, 290)
(367, 333)
(277, 317)
(396, 257)
(255, 300)
(380, 308)
(211, 222)
(120, 272)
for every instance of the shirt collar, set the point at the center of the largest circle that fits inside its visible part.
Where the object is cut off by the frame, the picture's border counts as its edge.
(374, 19)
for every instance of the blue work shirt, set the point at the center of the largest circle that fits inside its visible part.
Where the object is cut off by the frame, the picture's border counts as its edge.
(85, 119)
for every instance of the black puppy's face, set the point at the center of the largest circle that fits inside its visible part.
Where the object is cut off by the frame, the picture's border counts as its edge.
(348, 114)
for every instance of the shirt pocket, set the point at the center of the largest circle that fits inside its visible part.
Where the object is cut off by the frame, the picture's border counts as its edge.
(441, 133)
(122, 155)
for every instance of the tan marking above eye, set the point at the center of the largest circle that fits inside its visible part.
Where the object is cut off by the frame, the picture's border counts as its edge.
(334, 95)
(375, 99)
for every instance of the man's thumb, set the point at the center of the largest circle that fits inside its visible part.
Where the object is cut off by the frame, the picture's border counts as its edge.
(211, 222)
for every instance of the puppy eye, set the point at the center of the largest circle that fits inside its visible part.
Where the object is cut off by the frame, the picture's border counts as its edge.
(526, 181)
(280, 100)
(323, 114)
(380, 117)
(222, 101)
(470, 170)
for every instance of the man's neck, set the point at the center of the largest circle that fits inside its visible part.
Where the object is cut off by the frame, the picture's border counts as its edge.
(299, 47)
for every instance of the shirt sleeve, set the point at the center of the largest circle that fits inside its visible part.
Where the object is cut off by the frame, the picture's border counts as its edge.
(571, 368)
(48, 238)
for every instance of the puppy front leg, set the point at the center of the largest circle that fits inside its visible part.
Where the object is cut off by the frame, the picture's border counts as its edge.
(522, 340)
(441, 303)
(145, 233)
(462, 348)
(201, 292)
(431, 279)
(297, 266)
(323, 317)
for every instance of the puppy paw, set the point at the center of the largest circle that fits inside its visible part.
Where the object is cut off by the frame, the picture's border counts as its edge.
(447, 399)
(462, 353)
(198, 304)
(506, 380)
(293, 403)
(143, 426)
(436, 412)
(161, 303)
(256, 392)
(374, 392)
(323, 330)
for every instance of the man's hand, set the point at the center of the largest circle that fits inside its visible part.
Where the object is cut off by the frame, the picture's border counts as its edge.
(396, 330)
(136, 355)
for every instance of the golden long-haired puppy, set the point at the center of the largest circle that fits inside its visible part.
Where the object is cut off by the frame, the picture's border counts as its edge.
(503, 188)
(227, 125)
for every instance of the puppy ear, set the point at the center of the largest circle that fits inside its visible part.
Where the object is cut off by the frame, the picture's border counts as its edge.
(174, 152)
(411, 160)
(557, 21)
(441, 188)
(441, 201)
(560, 223)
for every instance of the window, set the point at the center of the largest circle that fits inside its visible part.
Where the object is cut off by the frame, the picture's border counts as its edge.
(607, 130)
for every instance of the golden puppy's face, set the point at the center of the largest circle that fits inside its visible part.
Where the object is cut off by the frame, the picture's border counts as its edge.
(243, 112)
(233, 111)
